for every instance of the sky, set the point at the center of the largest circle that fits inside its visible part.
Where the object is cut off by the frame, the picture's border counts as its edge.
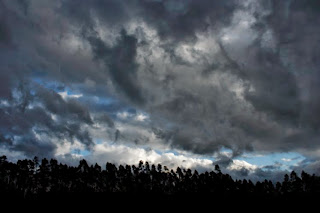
(189, 83)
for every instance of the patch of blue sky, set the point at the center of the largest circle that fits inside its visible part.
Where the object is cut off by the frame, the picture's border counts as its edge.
(70, 92)
(53, 85)
(207, 157)
(97, 102)
(129, 113)
(82, 152)
(177, 153)
(98, 140)
(159, 152)
(286, 158)
(226, 150)
(56, 86)
(103, 100)
(73, 92)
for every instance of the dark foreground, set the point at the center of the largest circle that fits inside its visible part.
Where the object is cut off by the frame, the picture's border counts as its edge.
(161, 202)
(33, 183)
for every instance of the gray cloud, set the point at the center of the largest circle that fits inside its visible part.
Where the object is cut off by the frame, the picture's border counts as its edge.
(31, 147)
(308, 165)
(181, 20)
(120, 61)
(54, 103)
(223, 160)
(104, 118)
(271, 167)
(33, 129)
(5, 38)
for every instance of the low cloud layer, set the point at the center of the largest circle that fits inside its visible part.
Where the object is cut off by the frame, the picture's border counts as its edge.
(193, 76)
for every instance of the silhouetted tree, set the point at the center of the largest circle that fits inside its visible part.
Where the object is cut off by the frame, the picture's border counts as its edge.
(27, 178)
(217, 168)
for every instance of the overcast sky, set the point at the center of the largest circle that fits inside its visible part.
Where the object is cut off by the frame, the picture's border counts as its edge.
(189, 83)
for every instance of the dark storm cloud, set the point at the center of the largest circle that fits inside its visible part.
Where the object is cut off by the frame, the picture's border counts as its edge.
(279, 81)
(181, 20)
(310, 165)
(120, 61)
(54, 103)
(5, 44)
(32, 147)
(276, 89)
(284, 78)
(223, 160)
(104, 118)
(5, 89)
(294, 27)
(26, 123)
(17, 127)
(20, 118)
(5, 35)
(110, 12)
(273, 175)
(276, 166)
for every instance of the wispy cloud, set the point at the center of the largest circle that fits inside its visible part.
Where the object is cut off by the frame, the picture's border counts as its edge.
(286, 159)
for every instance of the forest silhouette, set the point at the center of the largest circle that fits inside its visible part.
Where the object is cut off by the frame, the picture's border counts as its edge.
(34, 179)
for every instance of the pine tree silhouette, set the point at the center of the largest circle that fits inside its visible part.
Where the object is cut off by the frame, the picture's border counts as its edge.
(29, 179)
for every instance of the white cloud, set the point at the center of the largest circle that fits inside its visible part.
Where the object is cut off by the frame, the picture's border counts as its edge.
(123, 115)
(4, 103)
(134, 116)
(252, 155)
(65, 95)
(286, 159)
(140, 117)
(121, 154)
(66, 147)
(241, 164)
(226, 153)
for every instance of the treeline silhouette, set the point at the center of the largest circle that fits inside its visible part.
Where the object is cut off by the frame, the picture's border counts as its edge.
(33, 179)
